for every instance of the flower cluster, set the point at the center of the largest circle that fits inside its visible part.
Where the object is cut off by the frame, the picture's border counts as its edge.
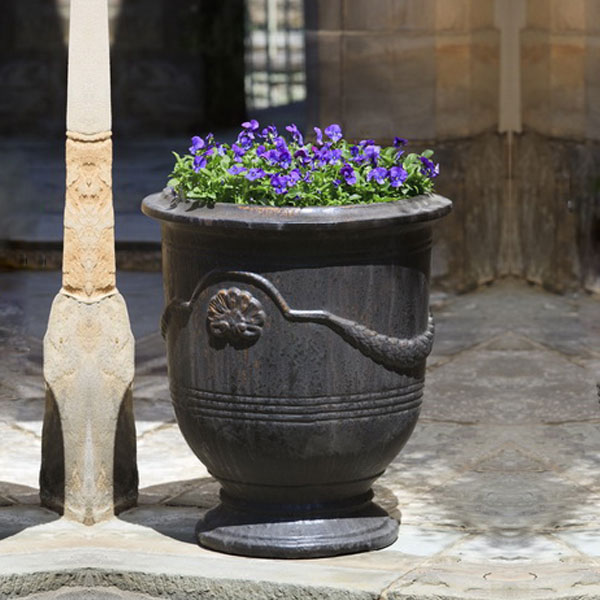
(264, 167)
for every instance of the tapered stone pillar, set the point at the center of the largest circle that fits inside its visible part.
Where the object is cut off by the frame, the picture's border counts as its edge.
(88, 444)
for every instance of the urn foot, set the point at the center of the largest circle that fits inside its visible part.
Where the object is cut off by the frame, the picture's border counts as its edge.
(296, 531)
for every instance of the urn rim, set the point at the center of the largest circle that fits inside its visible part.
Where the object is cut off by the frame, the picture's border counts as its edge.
(420, 209)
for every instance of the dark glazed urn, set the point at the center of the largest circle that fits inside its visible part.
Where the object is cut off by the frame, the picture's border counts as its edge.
(296, 343)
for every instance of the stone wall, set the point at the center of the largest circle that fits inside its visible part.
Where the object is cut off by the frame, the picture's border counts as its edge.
(557, 171)
(526, 202)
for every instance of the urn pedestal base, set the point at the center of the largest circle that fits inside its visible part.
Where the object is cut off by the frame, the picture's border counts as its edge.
(296, 531)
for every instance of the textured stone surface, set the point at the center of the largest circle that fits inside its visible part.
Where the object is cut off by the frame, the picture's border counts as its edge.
(89, 250)
(88, 441)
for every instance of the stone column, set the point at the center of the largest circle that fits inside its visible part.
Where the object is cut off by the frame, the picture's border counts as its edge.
(88, 444)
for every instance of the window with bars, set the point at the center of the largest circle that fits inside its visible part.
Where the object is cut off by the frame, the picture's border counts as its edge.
(275, 70)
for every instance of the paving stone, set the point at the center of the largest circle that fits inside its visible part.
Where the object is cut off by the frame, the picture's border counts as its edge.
(510, 387)
(81, 593)
(163, 455)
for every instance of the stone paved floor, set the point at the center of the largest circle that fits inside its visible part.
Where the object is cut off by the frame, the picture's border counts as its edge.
(498, 490)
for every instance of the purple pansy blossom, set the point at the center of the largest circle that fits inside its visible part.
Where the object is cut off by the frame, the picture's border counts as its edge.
(269, 131)
(199, 162)
(238, 152)
(372, 152)
(285, 158)
(236, 169)
(397, 176)
(319, 135)
(357, 157)
(245, 139)
(272, 156)
(255, 173)
(379, 174)
(429, 169)
(296, 134)
(334, 132)
(303, 156)
(327, 156)
(279, 183)
(251, 125)
(364, 143)
(197, 144)
(348, 173)
(294, 177)
(398, 141)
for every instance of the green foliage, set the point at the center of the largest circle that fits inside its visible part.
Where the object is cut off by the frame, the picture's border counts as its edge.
(298, 174)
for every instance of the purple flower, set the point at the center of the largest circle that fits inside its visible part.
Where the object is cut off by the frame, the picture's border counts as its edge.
(199, 162)
(255, 173)
(261, 151)
(379, 174)
(197, 144)
(269, 131)
(285, 158)
(397, 176)
(272, 156)
(319, 135)
(245, 139)
(294, 177)
(337, 182)
(327, 156)
(357, 157)
(279, 183)
(429, 169)
(296, 135)
(250, 125)
(236, 169)
(303, 156)
(364, 143)
(334, 132)
(210, 139)
(238, 152)
(372, 152)
(398, 141)
(348, 173)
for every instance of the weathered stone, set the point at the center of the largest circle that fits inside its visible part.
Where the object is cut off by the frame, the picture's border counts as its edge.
(88, 89)
(324, 73)
(568, 17)
(89, 251)
(389, 15)
(88, 446)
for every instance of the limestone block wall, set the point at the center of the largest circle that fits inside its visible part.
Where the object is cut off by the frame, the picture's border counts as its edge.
(426, 70)
(558, 169)
(526, 201)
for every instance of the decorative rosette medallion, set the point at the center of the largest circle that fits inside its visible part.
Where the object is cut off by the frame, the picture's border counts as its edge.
(235, 317)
